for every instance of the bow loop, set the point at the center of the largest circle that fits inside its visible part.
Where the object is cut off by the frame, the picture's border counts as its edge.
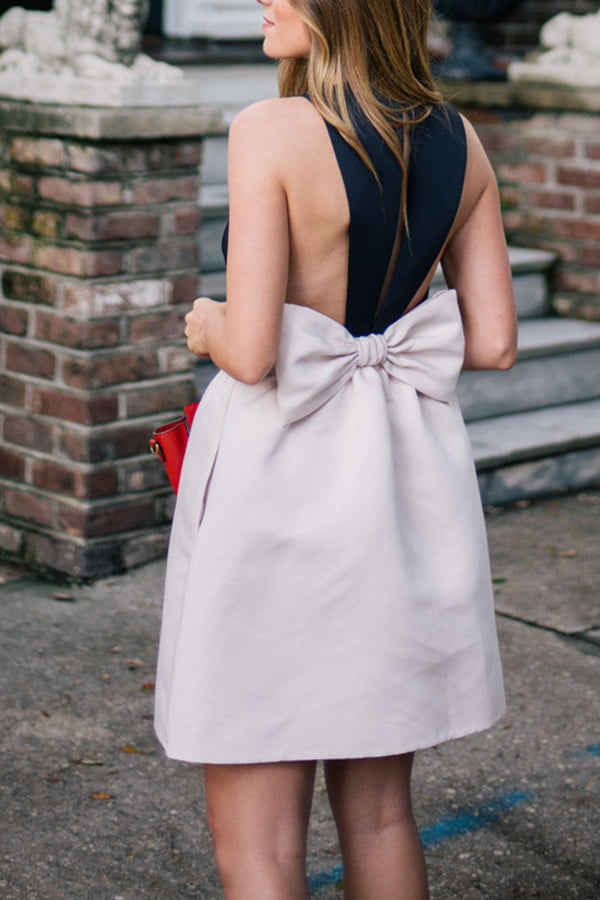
(318, 356)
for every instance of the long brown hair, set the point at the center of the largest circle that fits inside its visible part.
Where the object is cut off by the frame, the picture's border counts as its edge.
(377, 50)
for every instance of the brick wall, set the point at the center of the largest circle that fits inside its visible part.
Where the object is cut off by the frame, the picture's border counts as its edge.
(98, 264)
(519, 32)
(548, 168)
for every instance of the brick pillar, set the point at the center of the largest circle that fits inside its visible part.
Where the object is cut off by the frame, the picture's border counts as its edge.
(99, 219)
(544, 144)
(548, 169)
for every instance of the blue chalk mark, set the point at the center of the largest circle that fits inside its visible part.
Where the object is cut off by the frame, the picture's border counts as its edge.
(321, 879)
(449, 828)
(593, 749)
(472, 821)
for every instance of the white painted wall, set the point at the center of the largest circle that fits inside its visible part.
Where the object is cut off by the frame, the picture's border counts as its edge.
(225, 19)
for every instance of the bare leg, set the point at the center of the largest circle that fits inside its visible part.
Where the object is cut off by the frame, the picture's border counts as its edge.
(258, 817)
(381, 849)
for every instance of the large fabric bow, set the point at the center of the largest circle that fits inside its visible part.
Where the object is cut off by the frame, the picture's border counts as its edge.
(318, 356)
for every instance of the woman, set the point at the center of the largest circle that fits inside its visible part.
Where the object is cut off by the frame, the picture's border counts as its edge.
(328, 591)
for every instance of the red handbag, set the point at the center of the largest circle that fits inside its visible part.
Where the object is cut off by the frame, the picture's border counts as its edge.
(169, 441)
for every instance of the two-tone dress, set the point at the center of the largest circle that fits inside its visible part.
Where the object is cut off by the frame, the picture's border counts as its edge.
(328, 592)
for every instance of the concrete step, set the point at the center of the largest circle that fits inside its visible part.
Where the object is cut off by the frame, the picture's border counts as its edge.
(537, 453)
(558, 363)
(530, 270)
(534, 434)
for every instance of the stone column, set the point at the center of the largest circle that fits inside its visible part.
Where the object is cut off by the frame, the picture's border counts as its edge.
(99, 220)
(217, 19)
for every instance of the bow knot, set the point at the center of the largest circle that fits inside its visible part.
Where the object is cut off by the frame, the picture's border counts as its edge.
(372, 350)
(422, 350)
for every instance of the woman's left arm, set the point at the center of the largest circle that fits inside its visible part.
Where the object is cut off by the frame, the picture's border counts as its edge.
(476, 264)
(242, 335)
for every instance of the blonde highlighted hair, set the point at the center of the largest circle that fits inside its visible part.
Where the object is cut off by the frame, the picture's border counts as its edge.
(375, 50)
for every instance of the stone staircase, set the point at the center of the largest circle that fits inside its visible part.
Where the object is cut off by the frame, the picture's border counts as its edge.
(535, 430)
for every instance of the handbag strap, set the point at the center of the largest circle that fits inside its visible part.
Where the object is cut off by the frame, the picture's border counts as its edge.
(398, 236)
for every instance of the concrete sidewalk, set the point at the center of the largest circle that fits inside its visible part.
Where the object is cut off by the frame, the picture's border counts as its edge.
(89, 807)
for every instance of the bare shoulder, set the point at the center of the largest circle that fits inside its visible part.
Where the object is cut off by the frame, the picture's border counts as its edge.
(275, 128)
(274, 117)
(479, 168)
(479, 180)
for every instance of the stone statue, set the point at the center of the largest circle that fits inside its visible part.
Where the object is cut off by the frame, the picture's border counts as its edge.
(85, 39)
(569, 53)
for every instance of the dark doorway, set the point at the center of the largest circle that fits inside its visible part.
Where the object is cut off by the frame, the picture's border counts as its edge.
(40, 5)
(153, 22)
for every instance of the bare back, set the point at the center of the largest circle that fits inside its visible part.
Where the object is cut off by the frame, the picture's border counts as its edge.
(343, 217)
(290, 230)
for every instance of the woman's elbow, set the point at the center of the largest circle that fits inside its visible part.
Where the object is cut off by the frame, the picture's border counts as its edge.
(249, 376)
(506, 356)
(251, 371)
(497, 355)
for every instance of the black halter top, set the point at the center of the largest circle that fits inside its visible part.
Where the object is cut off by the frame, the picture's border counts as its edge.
(436, 176)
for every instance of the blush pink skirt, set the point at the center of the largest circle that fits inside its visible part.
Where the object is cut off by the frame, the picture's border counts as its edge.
(328, 592)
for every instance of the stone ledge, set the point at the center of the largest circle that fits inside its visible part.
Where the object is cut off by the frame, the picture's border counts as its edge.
(203, 51)
(554, 474)
(535, 434)
(105, 123)
(551, 335)
(520, 95)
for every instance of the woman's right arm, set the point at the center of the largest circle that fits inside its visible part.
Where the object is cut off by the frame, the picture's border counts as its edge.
(242, 336)
(475, 263)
